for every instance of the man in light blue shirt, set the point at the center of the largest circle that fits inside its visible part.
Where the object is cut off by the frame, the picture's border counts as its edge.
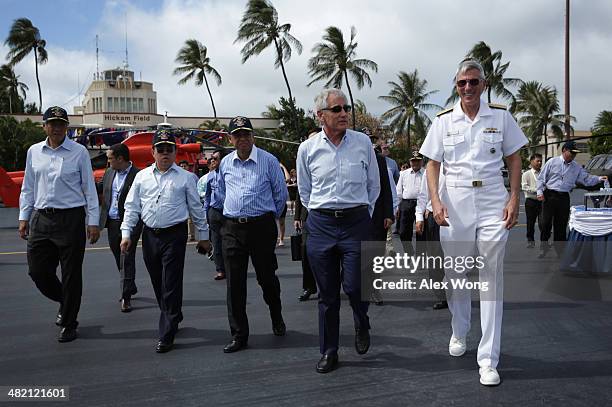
(557, 178)
(58, 191)
(339, 182)
(208, 188)
(255, 191)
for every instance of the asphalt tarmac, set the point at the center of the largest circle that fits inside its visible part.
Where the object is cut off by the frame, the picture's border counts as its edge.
(553, 352)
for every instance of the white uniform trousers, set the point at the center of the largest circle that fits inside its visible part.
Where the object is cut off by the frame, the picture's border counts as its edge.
(476, 228)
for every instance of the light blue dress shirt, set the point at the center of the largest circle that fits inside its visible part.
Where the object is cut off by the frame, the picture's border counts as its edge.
(208, 188)
(59, 178)
(252, 187)
(117, 187)
(392, 166)
(338, 177)
(163, 200)
(562, 177)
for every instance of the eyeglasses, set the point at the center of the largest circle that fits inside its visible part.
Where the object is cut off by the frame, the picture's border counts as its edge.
(214, 158)
(473, 82)
(338, 108)
(164, 149)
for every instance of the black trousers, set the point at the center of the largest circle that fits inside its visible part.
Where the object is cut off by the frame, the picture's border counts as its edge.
(215, 223)
(407, 217)
(257, 240)
(163, 251)
(431, 234)
(127, 279)
(308, 280)
(555, 214)
(58, 238)
(533, 211)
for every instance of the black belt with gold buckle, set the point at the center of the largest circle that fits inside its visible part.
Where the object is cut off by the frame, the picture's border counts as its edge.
(245, 219)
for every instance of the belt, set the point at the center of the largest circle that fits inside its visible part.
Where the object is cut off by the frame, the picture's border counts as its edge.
(409, 200)
(475, 183)
(340, 213)
(53, 211)
(252, 219)
(552, 191)
(159, 231)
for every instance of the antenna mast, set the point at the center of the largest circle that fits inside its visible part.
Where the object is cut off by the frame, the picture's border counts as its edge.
(97, 60)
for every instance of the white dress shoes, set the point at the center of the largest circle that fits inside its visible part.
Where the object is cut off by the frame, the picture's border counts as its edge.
(456, 346)
(489, 376)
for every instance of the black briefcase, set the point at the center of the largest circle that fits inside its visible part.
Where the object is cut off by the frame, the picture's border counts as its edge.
(296, 246)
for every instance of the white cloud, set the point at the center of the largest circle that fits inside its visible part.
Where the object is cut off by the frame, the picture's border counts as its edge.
(399, 35)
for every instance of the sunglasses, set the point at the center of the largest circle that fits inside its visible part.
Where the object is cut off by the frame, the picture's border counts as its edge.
(164, 149)
(338, 108)
(473, 82)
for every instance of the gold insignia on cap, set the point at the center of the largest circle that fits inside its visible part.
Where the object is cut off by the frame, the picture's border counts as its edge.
(240, 121)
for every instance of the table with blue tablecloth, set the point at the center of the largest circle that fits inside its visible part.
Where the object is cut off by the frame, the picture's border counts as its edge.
(589, 245)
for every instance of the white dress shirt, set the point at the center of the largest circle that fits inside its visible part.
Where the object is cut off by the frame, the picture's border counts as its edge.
(59, 178)
(424, 200)
(409, 183)
(529, 181)
(163, 200)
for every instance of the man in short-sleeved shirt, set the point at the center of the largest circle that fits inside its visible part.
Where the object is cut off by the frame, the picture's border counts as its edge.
(471, 139)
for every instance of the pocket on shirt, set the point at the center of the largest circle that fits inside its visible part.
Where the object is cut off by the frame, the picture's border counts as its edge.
(493, 138)
(452, 144)
(355, 172)
(69, 167)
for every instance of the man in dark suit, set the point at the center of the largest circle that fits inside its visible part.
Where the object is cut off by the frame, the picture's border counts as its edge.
(116, 183)
(382, 217)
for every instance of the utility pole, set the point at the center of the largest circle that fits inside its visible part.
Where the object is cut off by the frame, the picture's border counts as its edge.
(567, 70)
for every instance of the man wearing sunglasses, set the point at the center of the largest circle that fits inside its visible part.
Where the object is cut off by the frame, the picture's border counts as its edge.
(339, 182)
(164, 195)
(253, 184)
(472, 138)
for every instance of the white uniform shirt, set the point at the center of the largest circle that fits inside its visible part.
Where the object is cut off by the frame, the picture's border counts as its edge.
(424, 200)
(473, 150)
(409, 184)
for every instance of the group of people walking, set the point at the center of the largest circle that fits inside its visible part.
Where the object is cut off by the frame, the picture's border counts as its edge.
(347, 193)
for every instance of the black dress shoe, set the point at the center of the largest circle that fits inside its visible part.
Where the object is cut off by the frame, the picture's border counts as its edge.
(163, 347)
(58, 319)
(126, 306)
(235, 345)
(440, 305)
(327, 363)
(305, 296)
(67, 334)
(362, 341)
(279, 328)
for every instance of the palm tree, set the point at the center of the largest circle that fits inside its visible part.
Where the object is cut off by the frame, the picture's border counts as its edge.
(537, 107)
(494, 72)
(603, 122)
(334, 60)
(22, 39)
(259, 28)
(12, 88)
(408, 98)
(196, 64)
(603, 129)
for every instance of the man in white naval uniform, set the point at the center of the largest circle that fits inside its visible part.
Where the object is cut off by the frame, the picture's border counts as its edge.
(471, 139)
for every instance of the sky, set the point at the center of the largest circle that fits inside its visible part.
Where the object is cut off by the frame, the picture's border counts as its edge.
(399, 35)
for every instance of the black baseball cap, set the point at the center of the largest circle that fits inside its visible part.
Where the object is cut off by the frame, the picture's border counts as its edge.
(571, 146)
(55, 113)
(163, 137)
(240, 123)
(416, 156)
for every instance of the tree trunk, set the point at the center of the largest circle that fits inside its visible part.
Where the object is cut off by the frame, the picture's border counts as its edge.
(350, 96)
(280, 58)
(210, 95)
(546, 144)
(38, 81)
(408, 140)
